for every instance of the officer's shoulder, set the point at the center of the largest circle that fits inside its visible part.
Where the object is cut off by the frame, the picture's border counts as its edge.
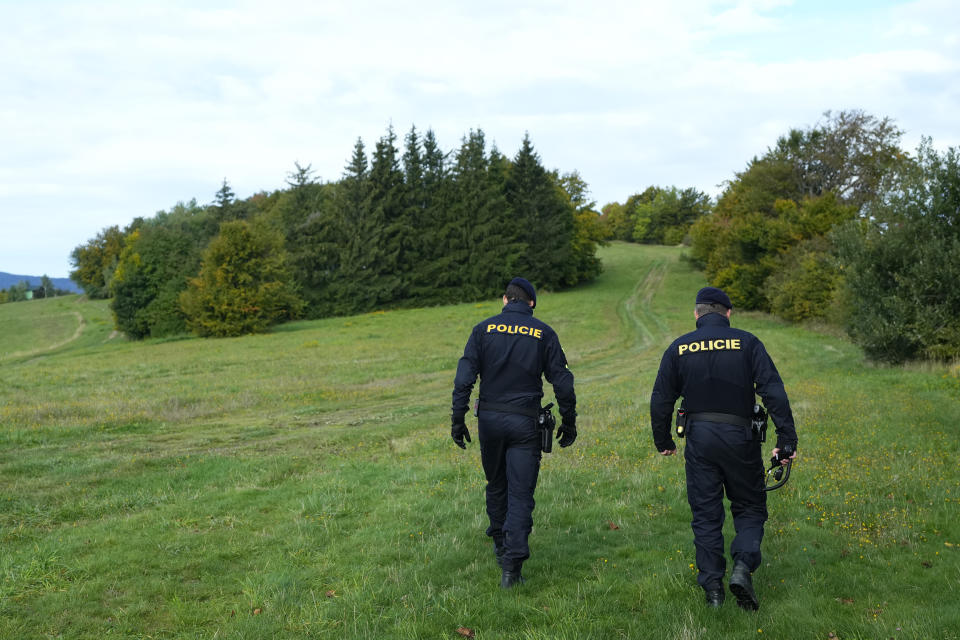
(481, 326)
(743, 333)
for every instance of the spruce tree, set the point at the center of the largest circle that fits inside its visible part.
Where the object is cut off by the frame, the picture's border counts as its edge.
(435, 227)
(387, 273)
(415, 202)
(545, 218)
(223, 205)
(480, 234)
(352, 286)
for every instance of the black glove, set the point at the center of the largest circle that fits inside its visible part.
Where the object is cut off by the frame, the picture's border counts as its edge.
(784, 453)
(459, 432)
(566, 434)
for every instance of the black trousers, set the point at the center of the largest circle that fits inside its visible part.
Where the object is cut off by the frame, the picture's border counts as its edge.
(724, 458)
(510, 453)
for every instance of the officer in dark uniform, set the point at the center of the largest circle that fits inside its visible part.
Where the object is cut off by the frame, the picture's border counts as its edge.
(510, 352)
(717, 370)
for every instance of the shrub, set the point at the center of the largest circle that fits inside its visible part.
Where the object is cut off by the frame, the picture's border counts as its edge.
(244, 286)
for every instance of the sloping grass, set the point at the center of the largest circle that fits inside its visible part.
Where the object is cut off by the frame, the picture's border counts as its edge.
(303, 484)
(41, 327)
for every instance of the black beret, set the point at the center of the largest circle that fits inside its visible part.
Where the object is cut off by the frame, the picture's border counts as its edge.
(524, 284)
(712, 295)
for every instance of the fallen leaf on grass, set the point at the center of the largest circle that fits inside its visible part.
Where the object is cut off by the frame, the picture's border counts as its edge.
(845, 600)
(257, 611)
(613, 525)
(466, 633)
(831, 635)
(331, 594)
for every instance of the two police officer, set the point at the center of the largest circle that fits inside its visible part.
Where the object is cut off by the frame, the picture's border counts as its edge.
(511, 352)
(717, 370)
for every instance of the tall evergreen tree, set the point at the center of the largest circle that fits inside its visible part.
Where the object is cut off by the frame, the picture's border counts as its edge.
(361, 235)
(388, 265)
(479, 233)
(223, 204)
(546, 219)
(435, 228)
(417, 216)
(304, 199)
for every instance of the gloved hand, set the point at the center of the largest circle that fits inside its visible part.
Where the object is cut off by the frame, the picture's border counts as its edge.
(459, 432)
(566, 434)
(784, 454)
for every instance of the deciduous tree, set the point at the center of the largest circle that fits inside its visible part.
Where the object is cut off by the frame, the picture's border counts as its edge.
(244, 286)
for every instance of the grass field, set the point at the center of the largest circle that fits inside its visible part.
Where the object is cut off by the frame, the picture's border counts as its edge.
(303, 484)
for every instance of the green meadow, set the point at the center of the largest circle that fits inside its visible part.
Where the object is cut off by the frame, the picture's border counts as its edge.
(303, 484)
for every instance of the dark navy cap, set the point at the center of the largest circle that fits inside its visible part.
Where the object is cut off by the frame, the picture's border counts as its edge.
(712, 295)
(524, 284)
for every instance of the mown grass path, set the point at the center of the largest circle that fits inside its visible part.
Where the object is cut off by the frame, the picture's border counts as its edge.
(303, 484)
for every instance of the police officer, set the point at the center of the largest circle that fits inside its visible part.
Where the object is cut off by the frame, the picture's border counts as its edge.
(717, 370)
(510, 352)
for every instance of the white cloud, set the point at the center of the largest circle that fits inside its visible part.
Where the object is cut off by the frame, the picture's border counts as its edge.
(111, 110)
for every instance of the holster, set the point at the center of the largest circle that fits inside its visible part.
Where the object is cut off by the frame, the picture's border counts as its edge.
(681, 422)
(758, 423)
(544, 417)
(546, 423)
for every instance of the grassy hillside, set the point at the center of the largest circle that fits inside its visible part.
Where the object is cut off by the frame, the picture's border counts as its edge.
(303, 483)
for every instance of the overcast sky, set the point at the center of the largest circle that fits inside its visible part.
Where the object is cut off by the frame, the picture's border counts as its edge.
(115, 109)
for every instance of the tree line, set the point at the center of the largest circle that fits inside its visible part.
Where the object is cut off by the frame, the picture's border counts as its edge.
(836, 223)
(23, 290)
(833, 224)
(409, 228)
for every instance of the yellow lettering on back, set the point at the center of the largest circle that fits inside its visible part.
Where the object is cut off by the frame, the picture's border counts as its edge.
(491, 327)
(718, 344)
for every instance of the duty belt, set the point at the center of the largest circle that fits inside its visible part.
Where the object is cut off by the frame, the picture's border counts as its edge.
(725, 418)
(509, 408)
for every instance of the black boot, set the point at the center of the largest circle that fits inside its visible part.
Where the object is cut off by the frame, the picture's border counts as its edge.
(498, 550)
(715, 597)
(510, 578)
(742, 587)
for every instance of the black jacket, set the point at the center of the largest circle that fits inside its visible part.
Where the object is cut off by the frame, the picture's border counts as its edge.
(510, 352)
(718, 369)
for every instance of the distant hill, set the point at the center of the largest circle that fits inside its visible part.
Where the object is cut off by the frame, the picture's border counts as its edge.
(7, 280)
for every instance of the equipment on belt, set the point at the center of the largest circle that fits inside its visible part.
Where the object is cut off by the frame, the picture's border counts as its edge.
(780, 472)
(757, 423)
(546, 422)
